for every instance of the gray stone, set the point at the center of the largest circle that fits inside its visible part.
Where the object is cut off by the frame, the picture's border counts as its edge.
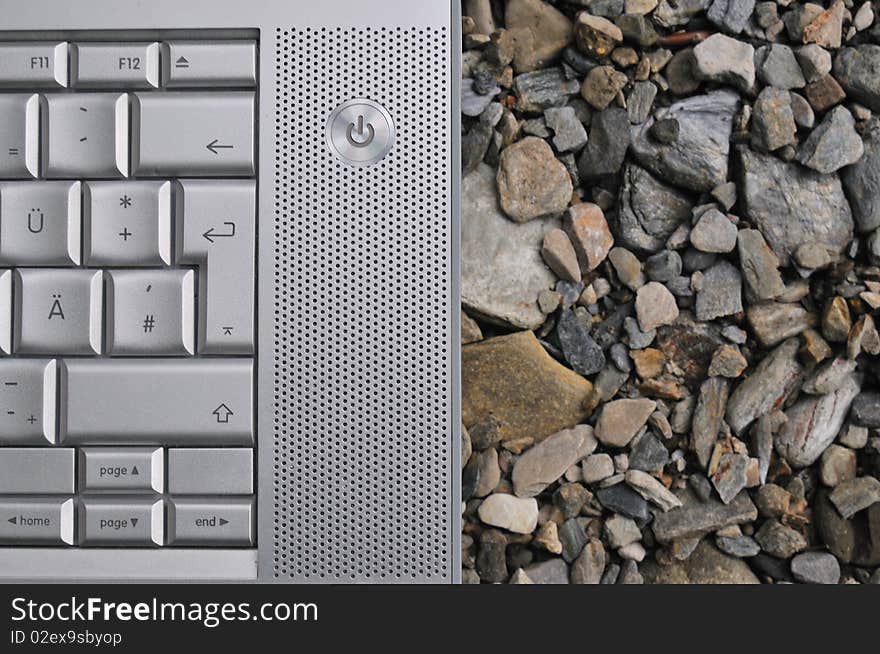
(730, 476)
(833, 144)
(804, 117)
(680, 73)
(607, 145)
(570, 133)
(672, 13)
(628, 268)
(516, 514)
(637, 29)
(629, 574)
(663, 266)
(742, 547)
(474, 146)
(589, 566)
(596, 468)
(771, 382)
(773, 125)
(473, 103)
(858, 71)
(696, 518)
(502, 269)
(573, 536)
(583, 354)
(838, 465)
(649, 210)
(547, 461)
(779, 540)
(708, 416)
(731, 15)
(622, 499)
(862, 182)
(854, 495)
(640, 101)
(621, 420)
(490, 473)
(726, 61)
(648, 454)
(652, 490)
(720, 292)
(620, 531)
(714, 233)
(543, 89)
(532, 182)
(553, 572)
(815, 61)
(792, 206)
(815, 568)
(760, 267)
(778, 67)
(638, 340)
(830, 376)
(866, 410)
(491, 560)
(698, 158)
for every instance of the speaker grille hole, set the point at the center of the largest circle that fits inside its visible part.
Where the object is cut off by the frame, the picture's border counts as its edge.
(362, 258)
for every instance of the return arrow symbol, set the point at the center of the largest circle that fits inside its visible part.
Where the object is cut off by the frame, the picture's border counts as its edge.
(214, 146)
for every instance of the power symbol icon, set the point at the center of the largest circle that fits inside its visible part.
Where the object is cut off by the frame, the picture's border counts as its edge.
(360, 135)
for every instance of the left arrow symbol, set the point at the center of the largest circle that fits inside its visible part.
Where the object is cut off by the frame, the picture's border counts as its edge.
(13, 521)
(214, 146)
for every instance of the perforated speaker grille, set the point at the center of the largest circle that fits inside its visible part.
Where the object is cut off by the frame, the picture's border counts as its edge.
(363, 411)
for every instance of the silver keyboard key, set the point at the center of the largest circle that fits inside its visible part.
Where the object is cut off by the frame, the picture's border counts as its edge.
(37, 471)
(196, 134)
(19, 136)
(197, 471)
(157, 402)
(37, 521)
(114, 65)
(33, 65)
(58, 311)
(127, 223)
(86, 135)
(151, 312)
(210, 64)
(216, 232)
(122, 522)
(27, 401)
(121, 470)
(40, 223)
(6, 318)
(211, 522)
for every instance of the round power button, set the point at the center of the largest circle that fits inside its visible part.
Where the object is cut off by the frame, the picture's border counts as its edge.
(360, 132)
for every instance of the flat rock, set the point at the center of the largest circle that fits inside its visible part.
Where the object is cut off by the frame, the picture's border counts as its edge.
(854, 495)
(514, 379)
(649, 211)
(570, 135)
(491, 560)
(708, 416)
(540, 33)
(588, 230)
(707, 565)
(858, 71)
(695, 518)
(547, 461)
(672, 13)
(543, 89)
(472, 103)
(759, 265)
(559, 255)
(833, 144)
(608, 143)
(508, 512)
(837, 466)
(621, 420)
(855, 540)
(698, 158)
(602, 85)
(621, 531)
(815, 568)
(655, 306)
(773, 121)
(501, 266)
(813, 424)
(726, 61)
(866, 410)
(553, 572)
(589, 566)
(720, 292)
(778, 67)
(622, 499)
(773, 322)
(779, 540)
(731, 15)
(862, 182)
(532, 182)
(689, 345)
(765, 390)
(651, 489)
(791, 205)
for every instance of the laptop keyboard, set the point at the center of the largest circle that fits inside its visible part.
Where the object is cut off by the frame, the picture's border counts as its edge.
(127, 293)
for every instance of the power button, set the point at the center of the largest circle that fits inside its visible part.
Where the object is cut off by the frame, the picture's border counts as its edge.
(360, 132)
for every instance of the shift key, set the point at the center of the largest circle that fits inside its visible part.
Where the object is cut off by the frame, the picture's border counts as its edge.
(157, 402)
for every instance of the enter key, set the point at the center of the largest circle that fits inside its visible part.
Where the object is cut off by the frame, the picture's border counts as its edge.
(216, 232)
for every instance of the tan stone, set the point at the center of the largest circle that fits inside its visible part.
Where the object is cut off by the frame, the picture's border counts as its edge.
(589, 233)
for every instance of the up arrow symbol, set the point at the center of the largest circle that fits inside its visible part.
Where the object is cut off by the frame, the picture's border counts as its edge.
(134, 471)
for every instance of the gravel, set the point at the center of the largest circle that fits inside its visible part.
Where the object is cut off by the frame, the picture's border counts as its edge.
(670, 284)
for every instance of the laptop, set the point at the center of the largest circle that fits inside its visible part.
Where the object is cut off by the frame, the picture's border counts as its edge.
(229, 291)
